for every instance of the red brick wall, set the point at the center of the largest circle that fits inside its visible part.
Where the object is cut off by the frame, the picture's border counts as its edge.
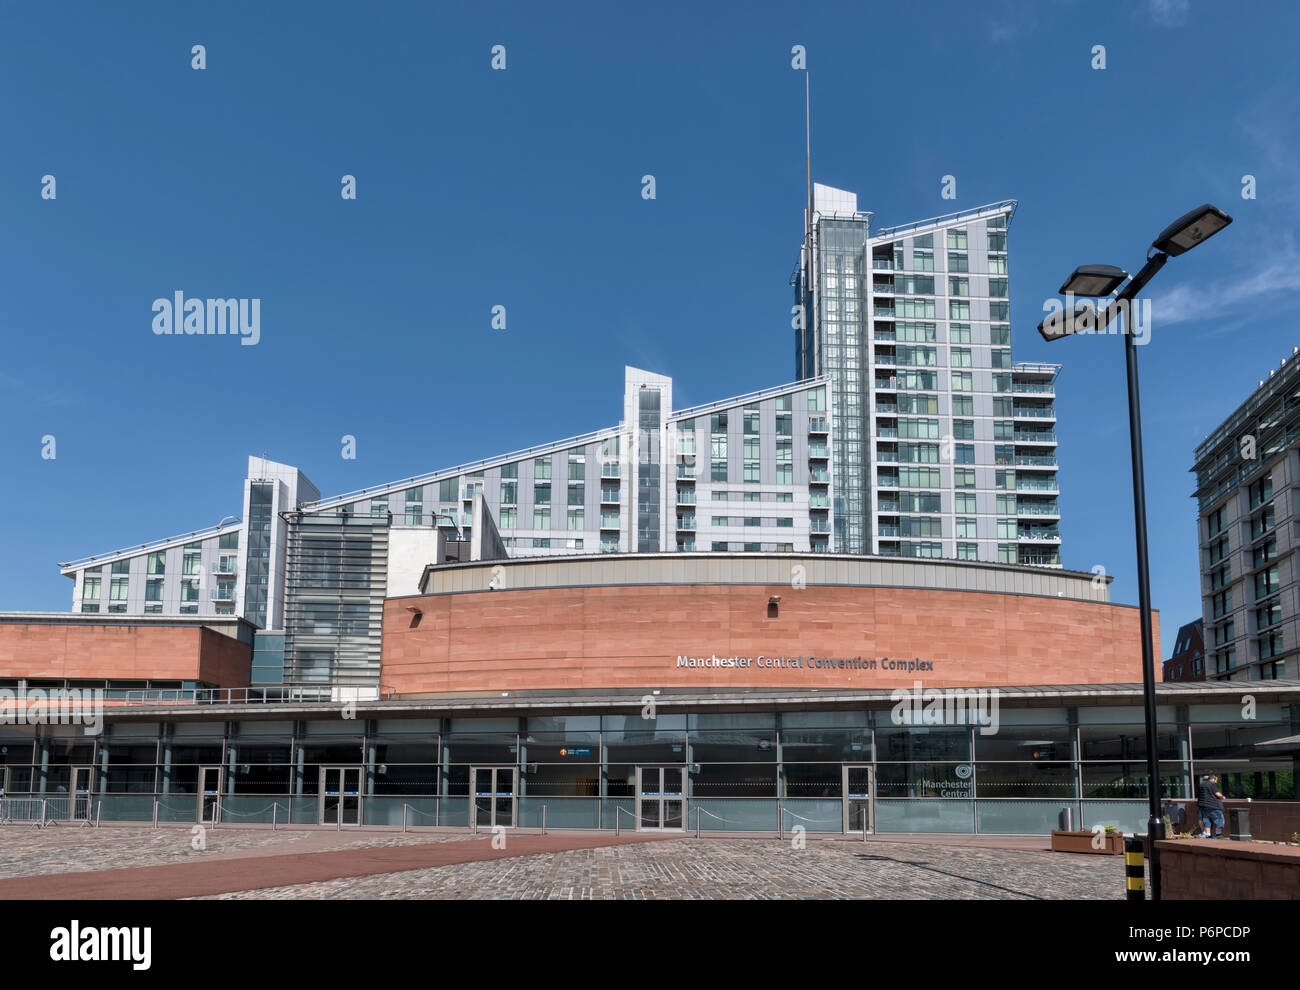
(630, 637)
(223, 661)
(80, 651)
(1217, 869)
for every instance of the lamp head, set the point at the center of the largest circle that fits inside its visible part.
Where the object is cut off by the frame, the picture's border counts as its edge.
(1079, 318)
(1094, 280)
(1190, 230)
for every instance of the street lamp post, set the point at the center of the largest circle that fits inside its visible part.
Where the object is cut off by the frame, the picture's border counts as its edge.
(1102, 280)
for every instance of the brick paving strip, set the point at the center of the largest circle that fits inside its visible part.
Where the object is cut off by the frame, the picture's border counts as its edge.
(231, 875)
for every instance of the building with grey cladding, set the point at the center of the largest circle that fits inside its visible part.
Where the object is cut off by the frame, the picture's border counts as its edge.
(907, 433)
(1247, 471)
(749, 473)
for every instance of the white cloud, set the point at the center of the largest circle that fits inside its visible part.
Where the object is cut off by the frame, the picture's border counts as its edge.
(1230, 297)
(1169, 13)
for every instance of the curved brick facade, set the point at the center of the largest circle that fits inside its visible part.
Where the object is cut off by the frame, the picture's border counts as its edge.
(629, 637)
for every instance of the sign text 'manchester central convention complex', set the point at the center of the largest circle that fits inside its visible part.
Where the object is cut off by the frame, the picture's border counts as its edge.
(836, 604)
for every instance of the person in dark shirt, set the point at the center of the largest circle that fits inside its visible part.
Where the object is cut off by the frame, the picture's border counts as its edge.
(1209, 806)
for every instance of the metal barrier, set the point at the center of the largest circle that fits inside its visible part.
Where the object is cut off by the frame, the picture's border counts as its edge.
(42, 809)
(22, 811)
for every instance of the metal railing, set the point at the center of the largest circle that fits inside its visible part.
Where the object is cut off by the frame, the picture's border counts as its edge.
(197, 534)
(887, 233)
(278, 694)
(1036, 368)
(481, 464)
(692, 411)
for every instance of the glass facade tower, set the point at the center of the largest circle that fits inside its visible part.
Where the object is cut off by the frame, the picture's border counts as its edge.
(943, 447)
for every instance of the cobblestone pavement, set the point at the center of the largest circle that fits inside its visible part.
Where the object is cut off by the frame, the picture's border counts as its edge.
(26, 852)
(750, 869)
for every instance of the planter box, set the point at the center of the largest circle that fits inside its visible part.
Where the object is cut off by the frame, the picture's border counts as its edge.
(1112, 843)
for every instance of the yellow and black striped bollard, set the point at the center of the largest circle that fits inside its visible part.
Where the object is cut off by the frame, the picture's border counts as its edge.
(1135, 874)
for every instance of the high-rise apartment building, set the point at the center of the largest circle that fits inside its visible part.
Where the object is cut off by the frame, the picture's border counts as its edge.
(1247, 472)
(943, 447)
(908, 433)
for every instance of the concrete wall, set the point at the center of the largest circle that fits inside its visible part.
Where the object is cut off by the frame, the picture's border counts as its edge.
(410, 550)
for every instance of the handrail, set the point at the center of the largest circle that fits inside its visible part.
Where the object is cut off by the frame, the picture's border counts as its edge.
(486, 462)
(272, 694)
(798, 386)
(888, 232)
(153, 544)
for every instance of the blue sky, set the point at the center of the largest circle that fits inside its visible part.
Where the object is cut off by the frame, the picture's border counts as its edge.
(522, 188)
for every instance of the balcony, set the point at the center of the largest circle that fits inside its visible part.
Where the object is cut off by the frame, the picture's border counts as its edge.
(686, 522)
(222, 593)
(609, 522)
(883, 312)
(886, 481)
(887, 432)
(818, 476)
(885, 361)
(818, 424)
(887, 456)
(819, 526)
(1038, 389)
(1037, 509)
(818, 451)
(1036, 460)
(1033, 412)
(884, 530)
(887, 334)
(883, 290)
(819, 502)
(1035, 436)
(1046, 485)
(226, 566)
(1041, 559)
(610, 496)
(1042, 534)
(685, 497)
(887, 383)
(887, 506)
(878, 265)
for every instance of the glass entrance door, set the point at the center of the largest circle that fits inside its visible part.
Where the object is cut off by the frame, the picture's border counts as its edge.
(340, 795)
(493, 792)
(857, 799)
(660, 797)
(79, 810)
(209, 794)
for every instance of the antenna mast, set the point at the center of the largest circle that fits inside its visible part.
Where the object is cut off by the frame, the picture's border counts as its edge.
(810, 275)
